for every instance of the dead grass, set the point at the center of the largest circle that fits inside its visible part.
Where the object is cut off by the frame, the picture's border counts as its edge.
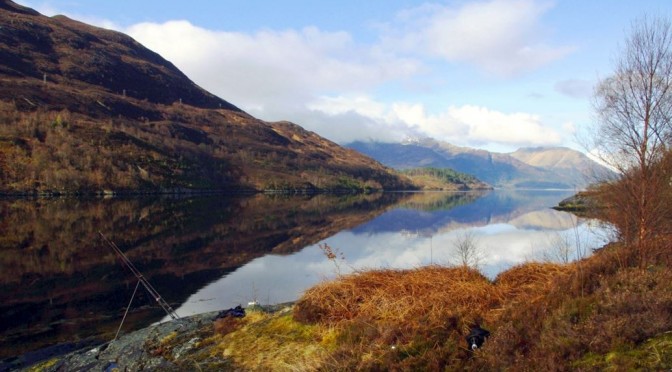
(587, 311)
(429, 293)
(406, 319)
(272, 342)
(590, 315)
(530, 281)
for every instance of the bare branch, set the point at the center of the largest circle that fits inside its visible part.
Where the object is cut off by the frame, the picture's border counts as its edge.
(633, 133)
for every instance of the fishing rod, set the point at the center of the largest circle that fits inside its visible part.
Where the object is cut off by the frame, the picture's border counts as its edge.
(141, 280)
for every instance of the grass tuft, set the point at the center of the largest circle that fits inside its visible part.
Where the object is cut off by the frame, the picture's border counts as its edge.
(600, 313)
(408, 319)
(272, 342)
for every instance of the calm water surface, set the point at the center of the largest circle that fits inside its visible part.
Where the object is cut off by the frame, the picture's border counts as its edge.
(60, 282)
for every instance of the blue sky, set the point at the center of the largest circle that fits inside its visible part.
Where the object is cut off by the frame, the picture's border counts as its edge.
(492, 74)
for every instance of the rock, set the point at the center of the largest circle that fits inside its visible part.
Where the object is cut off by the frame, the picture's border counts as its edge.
(158, 347)
(183, 349)
(576, 203)
(170, 346)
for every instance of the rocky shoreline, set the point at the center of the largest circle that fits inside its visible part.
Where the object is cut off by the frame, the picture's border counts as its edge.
(175, 345)
(578, 203)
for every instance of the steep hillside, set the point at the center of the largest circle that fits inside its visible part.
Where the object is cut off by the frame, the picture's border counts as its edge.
(525, 168)
(86, 109)
(65, 52)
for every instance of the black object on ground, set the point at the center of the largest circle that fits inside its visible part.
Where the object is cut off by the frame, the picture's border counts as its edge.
(476, 337)
(236, 312)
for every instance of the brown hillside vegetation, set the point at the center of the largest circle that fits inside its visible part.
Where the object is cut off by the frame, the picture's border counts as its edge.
(602, 313)
(191, 148)
(84, 109)
(610, 311)
(596, 314)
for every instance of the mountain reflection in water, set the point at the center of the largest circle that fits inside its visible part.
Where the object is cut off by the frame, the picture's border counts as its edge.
(507, 227)
(61, 283)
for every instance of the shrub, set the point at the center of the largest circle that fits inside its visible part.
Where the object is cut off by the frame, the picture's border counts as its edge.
(400, 319)
(618, 309)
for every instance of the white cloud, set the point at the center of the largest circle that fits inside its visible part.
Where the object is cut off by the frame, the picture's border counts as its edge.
(271, 68)
(466, 125)
(569, 127)
(516, 128)
(362, 105)
(503, 37)
(347, 119)
(324, 81)
(348, 126)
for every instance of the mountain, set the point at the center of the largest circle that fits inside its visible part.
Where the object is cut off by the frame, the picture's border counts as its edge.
(561, 160)
(85, 109)
(526, 168)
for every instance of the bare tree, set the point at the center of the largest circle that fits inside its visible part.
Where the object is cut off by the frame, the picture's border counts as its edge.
(634, 128)
(564, 247)
(634, 105)
(559, 250)
(467, 252)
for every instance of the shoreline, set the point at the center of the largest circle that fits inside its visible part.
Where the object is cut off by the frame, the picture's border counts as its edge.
(162, 345)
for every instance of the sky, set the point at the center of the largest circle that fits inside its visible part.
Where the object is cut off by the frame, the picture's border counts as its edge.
(490, 74)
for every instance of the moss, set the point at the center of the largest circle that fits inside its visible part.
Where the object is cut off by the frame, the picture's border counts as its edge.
(44, 366)
(169, 337)
(655, 354)
(273, 341)
(330, 338)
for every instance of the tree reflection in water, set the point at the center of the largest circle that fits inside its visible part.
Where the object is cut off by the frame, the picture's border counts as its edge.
(61, 283)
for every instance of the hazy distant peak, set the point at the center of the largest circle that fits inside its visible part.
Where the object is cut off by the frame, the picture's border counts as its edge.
(531, 167)
(414, 140)
(552, 157)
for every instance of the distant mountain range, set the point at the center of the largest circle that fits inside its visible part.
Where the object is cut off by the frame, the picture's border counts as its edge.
(539, 168)
(85, 109)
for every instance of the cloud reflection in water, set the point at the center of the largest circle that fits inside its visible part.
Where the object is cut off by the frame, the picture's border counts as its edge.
(507, 235)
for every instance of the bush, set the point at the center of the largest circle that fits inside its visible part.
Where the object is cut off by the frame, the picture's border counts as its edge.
(618, 309)
(400, 319)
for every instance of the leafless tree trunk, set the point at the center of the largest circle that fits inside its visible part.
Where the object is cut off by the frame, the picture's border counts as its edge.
(634, 128)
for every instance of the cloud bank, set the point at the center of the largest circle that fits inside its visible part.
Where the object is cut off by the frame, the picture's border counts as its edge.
(345, 90)
(468, 124)
(271, 69)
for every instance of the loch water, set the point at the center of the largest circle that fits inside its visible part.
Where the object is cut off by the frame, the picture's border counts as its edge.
(60, 282)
